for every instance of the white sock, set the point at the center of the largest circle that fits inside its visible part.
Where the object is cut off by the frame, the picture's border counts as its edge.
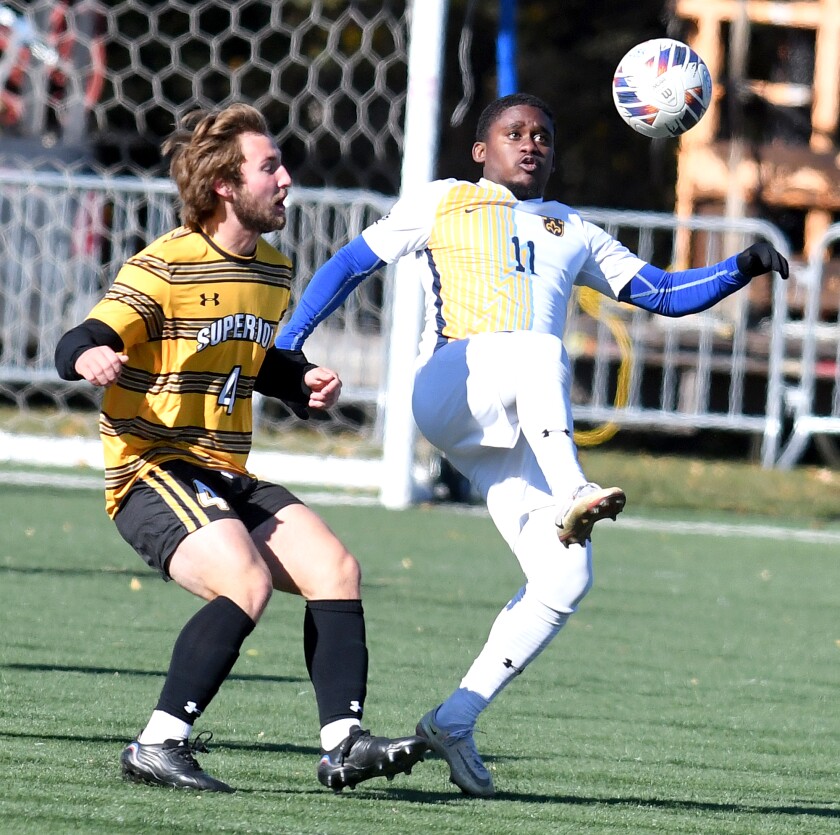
(163, 726)
(334, 733)
(522, 630)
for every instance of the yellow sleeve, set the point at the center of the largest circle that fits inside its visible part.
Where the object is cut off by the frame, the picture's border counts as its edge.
(136, 303)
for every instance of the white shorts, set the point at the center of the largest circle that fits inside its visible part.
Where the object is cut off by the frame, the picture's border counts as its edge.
(464, 404)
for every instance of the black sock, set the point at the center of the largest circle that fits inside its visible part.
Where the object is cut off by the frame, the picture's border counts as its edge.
(336, 657)
(202, 657)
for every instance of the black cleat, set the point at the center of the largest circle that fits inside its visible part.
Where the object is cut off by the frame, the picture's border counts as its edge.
(170, 764)
(362, 756)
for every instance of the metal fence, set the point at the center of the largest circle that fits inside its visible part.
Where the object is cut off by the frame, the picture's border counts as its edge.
(720, 369)
(748, 365)
(63, 238)
(810, 388)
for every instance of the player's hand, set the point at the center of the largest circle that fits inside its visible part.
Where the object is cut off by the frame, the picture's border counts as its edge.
(761, 258)
(325, 387)
(101, 365)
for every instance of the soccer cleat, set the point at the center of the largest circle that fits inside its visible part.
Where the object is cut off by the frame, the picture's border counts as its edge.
(170, 764)
(466, 769)
(362, 756)
(590, 503)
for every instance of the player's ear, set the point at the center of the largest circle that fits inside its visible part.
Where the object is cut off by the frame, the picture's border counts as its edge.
(479, 152)
(223, 188)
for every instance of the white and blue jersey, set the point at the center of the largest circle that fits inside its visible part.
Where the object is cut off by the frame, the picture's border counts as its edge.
(489, 262)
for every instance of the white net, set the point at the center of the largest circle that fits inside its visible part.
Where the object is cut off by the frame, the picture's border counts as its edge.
(98, 83)
(88, 89)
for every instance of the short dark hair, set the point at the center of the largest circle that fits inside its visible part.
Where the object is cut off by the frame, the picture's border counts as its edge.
(496, 108)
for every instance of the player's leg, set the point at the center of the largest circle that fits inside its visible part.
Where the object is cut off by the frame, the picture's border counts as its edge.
(538, 384)
(466, 400)
(305, 557)
(557, 579)
(188, 531)
(493, 387)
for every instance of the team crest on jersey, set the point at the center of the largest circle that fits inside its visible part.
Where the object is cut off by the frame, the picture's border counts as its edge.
(556, 227)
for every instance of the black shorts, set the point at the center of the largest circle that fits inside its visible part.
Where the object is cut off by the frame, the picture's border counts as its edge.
(177, 497)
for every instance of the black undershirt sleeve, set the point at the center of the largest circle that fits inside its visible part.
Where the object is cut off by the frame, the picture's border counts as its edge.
(76, 341)
(281, 376)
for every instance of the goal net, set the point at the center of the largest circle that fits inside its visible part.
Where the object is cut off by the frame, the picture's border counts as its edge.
(88, 90)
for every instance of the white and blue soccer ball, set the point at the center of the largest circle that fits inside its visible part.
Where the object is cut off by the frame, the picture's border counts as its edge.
(662, 88)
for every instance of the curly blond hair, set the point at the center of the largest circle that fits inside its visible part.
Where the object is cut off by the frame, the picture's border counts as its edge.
(205, 148)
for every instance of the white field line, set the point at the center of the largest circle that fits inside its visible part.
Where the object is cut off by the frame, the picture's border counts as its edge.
(674, 527)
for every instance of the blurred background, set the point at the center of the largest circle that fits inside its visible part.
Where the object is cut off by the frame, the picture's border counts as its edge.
(89, 88)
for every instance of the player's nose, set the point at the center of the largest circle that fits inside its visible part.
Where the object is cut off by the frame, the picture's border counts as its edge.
(284, 179)
(530, 145)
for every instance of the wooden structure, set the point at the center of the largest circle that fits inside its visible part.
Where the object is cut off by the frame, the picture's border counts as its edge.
(805, 177)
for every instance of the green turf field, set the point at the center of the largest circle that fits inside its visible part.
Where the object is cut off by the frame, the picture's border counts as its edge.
(694, 692)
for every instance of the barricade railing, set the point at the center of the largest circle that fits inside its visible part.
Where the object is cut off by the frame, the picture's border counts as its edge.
(64, 236)
(720, 369)
(811, 391)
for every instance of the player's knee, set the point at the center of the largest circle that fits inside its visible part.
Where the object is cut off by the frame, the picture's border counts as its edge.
(348, 572)
(338, 577)
(565, 581)
(563, 597)
(251, 590)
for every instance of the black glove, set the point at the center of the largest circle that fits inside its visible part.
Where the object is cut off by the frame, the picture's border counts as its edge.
(761, 258)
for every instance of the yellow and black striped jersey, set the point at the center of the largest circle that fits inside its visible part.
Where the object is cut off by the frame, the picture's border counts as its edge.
(195, 322)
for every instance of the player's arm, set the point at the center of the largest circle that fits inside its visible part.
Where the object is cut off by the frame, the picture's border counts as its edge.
(331, 284)
(690, 291)
(283, 375)
(92, 351)
(406, 228)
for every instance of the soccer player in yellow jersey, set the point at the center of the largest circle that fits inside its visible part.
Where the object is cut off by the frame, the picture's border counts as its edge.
(180, 342)
(492, 383)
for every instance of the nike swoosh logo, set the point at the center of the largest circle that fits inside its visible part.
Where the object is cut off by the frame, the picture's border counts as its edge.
(482, 781)
(473, 209)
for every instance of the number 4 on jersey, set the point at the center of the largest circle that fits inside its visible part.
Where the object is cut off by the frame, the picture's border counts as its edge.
(227, 396)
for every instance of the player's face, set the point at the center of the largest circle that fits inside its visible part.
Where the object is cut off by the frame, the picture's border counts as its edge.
(258, 203)
(519, 151)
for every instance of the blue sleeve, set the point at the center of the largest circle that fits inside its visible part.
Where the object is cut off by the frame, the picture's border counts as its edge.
(329, 287)
(683, 292)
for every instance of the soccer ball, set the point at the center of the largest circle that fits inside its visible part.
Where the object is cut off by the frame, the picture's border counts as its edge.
(662, 88)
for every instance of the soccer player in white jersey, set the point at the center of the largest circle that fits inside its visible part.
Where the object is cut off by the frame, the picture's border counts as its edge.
(492, 382)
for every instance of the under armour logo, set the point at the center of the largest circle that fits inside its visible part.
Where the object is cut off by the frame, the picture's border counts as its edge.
(509, 664)
(355, 706)
(192, 707)
(214, 299)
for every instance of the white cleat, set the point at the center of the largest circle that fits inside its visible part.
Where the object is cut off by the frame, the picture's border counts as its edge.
(590, 503)
(466, 769)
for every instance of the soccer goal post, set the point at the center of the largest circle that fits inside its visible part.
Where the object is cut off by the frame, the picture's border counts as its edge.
(352, 92)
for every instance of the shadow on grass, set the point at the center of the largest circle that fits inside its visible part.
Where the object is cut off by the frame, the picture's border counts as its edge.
(77, 572)
(108, 739)
(111, 671)
(817, 811)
